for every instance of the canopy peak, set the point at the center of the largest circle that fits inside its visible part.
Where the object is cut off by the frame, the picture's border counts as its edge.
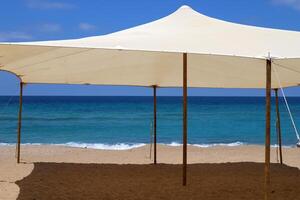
(184, 7)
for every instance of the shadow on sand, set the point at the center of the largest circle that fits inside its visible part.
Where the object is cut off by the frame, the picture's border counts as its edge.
(163, 181)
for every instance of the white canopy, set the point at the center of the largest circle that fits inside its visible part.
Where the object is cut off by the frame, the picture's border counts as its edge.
(220, 55)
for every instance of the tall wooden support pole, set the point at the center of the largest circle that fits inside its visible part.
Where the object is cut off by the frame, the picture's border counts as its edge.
(268, 130)
(20, 122)
(184, 118)
(278, 126)
(154, 121)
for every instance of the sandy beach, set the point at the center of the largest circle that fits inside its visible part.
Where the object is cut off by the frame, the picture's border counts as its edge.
(83, 100)
(32, 156)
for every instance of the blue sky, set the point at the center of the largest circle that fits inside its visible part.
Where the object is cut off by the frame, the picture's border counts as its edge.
(28, 20)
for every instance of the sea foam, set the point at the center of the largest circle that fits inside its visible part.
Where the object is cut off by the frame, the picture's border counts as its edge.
(127, 146)
(232, 144)
(118, 146)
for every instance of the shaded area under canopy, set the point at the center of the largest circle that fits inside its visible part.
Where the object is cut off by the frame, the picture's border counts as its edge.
(110, 181)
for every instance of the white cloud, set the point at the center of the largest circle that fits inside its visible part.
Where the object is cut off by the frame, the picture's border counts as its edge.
(14, 35)
(47, 4)
(50, 28)
(86, 27)
(292, 3)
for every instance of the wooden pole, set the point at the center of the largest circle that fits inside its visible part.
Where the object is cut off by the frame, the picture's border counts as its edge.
(278, 126)
(184, 119)
(20, 122)
(154, 121)
(268, 130)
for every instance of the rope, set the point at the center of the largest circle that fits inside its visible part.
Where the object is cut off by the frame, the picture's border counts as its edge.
(277, 149)
(9, 101)
(151, 138)
(286, 103)
(6, 106)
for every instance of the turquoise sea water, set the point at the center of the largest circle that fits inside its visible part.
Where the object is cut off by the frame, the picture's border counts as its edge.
(124, 122)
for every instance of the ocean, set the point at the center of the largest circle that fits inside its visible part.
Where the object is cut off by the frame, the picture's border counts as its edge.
(112, 122)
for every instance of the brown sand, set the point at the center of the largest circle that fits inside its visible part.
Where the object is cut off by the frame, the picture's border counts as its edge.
(10, 172)
(143, 182)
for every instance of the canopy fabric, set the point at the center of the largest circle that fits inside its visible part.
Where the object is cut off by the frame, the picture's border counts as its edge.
(220, 55)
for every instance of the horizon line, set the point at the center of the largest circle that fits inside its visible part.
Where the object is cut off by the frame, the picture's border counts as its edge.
(138, 96)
